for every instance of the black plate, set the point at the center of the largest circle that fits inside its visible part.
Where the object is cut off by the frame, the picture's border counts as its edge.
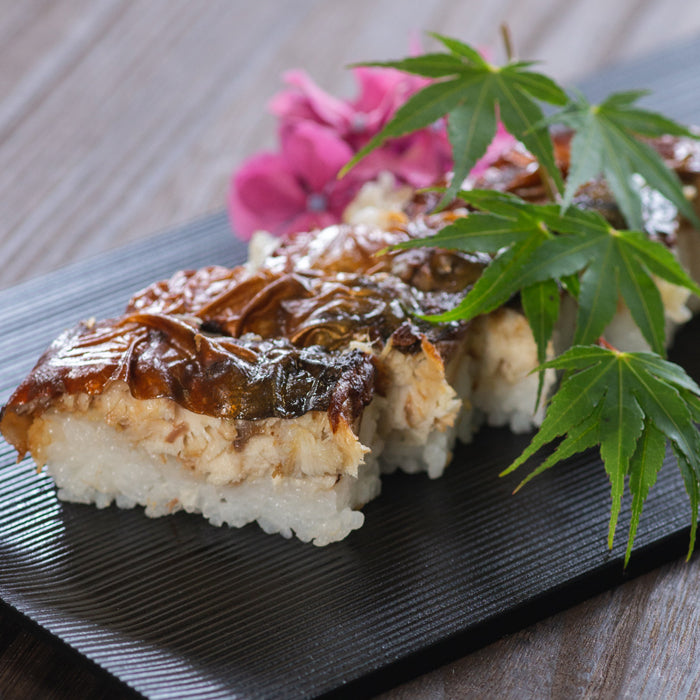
(174, 606)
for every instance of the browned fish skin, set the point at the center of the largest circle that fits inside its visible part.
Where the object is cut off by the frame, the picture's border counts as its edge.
(166, 356)
(362, 250)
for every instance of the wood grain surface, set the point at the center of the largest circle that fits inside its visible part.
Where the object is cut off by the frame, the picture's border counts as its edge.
(121, 118)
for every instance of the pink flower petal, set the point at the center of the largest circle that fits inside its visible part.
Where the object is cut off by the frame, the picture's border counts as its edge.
(502, 142)
(427, 159)
(382, 92)
(376, 87)
(341, 193)
(419, 159)
(264, 194)
(308, 221)
(308, 101)
(291, 106)
(315, 153)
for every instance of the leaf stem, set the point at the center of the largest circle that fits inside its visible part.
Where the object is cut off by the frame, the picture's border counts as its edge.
(605, 344)
(507, 41)
(549, 185)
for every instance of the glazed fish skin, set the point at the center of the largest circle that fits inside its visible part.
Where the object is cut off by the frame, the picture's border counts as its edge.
(160, 356)
(418, 362)
(305, 307)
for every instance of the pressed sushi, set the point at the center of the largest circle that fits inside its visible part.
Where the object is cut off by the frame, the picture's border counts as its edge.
(279, 391)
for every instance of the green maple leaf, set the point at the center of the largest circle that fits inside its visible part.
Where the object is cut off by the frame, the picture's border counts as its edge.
(631, 404)
(611, 264)
(473, 93)
(608, 141)
(541, 306)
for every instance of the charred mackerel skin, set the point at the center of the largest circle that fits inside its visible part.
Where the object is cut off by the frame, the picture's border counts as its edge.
(160, 356)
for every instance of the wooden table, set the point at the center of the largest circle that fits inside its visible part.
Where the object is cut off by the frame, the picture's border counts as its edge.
(120, 118)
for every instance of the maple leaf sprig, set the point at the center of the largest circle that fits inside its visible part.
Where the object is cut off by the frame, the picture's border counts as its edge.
(607, 140)
(537, 248)
(634, 400)
(630, 404)
(473, 94)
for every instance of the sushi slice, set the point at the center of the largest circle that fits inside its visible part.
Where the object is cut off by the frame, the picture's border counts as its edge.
(341, 306)
(447, 389)
(151, 409)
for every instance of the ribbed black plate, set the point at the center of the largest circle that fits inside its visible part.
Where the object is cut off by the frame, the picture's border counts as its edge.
(176, 607)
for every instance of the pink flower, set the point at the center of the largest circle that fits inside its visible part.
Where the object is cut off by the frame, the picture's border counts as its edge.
(418, 159)
(296, 189)
(381, 92)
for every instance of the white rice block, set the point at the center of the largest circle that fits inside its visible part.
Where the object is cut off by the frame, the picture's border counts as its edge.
(94, 460)
(504, 390)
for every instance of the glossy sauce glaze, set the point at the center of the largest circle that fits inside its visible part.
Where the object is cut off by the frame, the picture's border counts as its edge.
(160, 355)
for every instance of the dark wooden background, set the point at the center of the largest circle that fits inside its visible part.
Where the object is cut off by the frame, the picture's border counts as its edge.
(121, 118)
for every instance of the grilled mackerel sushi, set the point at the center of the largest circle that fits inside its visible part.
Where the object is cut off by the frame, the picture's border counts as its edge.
(439, 391)
(244, 395)
(345, 306)
(152, 409)
(277, 391)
